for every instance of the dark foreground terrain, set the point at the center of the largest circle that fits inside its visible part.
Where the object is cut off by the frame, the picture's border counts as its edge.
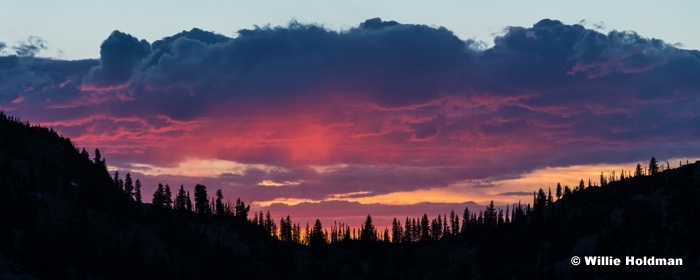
(62, 217)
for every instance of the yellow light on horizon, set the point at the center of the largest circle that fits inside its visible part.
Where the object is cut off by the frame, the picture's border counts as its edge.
(271, 183)
(209, 168)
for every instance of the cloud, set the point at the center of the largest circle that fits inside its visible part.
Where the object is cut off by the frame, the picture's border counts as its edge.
(120, 54)
(390, 110)
(30, 48)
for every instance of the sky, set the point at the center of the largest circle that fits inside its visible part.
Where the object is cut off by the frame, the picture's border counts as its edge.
(336, 111)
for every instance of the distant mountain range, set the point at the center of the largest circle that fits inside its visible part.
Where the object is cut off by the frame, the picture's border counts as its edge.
(63, 217)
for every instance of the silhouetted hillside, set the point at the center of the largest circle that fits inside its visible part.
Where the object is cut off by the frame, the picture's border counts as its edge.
(64, 217)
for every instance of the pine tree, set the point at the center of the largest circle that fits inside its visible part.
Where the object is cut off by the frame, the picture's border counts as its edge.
(558, 191)
(116, 180)
(653, 166)
(258, 219)
(98, 158)
(603, 181)
(137, 191)
(181, 199)
(454, 223)
(490, 215)
(189, 202)
(465, 220)
(501, 221)
(415, 225)
(368, 233)
(129, 185)
(396, 231)
(167, 197)
(241, 210)
(159, 196)
(567, 191)
(220, 202)
(201, 199)
(424, 228)
(438, 231)
(307, 234)
(283, 228)
(317, 237)
(435, 229)
(345, 232)
(286, 230)
(541, 199)
(296, 233)
(270, 225)
(638, 171)
(445, 227)
(408, 231)
(85, 154)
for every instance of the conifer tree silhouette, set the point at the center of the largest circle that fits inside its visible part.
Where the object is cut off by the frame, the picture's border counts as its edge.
(408, 231)
(490, 215)
(85, 154)
(368, 233)
(128, 185)
(241, 210)
(201, 200)
(219, 204)
(567, 191)
(638, 171)
(137, 191)
(181, 199)
(159, 196)
(465, 220)
(270, 225)
(424, 228)
(167, 197)
(116, 180)
(99, 161)
(396, 231)
(558, 191)
(653, 166)
(286, 229)
(317, 237)
(189, 202)
(454, 222)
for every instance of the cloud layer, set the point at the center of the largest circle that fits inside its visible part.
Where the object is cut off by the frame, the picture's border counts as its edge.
(305, 113)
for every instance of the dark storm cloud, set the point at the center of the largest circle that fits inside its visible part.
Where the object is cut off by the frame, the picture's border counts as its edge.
(274, 63)
(120, 53)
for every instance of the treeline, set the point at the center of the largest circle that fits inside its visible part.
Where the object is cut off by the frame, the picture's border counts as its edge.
(424, 229)
(407, 230)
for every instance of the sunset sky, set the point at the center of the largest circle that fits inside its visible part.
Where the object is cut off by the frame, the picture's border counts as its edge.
(340, 114)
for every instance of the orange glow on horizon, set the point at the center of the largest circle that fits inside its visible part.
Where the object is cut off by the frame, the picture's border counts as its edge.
(466, 191)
